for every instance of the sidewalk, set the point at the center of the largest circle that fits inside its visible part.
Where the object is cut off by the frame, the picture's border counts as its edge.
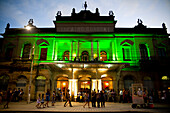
(78, 107)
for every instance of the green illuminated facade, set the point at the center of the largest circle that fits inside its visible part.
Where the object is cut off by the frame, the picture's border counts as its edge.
(83, 52)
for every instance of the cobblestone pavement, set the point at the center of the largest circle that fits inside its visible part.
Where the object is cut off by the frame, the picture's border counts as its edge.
(78, 107)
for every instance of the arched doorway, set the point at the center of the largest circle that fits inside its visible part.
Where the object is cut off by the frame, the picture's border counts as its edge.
(4, 79)
(84, 56)
(84, 84)
(66, 56)
(103, 56)
(62, 84)
(128, 81)
(107, 83)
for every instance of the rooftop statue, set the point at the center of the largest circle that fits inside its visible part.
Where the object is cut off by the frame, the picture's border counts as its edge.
(85, 5)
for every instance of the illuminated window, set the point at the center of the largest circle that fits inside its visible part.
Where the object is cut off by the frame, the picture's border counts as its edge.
(66, 56)
(26, 51)
(143, 52)
(103, 56)
(85, 56)
(126, 54)
(165, 78)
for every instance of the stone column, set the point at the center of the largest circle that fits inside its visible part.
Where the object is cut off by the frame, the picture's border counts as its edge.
(77, 51)
(92, 57)
(71, 51)
(98, 54)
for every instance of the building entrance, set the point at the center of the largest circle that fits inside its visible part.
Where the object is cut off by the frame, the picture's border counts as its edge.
(62, 84)
(85, 85)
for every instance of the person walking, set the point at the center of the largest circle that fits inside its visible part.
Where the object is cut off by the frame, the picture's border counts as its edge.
(42, 101)
(67, 99)
(8, 97)
(87, 100)
(47, 97)
(38, 101)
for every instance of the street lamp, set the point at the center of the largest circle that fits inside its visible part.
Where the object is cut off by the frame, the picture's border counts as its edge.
(32, 64)
(28, 27)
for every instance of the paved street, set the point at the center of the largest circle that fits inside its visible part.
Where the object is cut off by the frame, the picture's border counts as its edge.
(78, 107)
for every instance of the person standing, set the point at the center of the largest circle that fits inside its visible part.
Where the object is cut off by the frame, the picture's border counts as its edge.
(87, 100)
(47, 97)
(121, 96)
(102, 98)
(98, 99)
(67, 99)
(94, 98)
(53, 98)
(8, 97)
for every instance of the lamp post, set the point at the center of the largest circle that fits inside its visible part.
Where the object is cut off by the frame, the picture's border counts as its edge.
(32, 64)
(28, 27)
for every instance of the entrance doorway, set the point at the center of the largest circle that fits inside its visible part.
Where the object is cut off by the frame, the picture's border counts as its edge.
(62, 85)
(85, 84)
(107, 83)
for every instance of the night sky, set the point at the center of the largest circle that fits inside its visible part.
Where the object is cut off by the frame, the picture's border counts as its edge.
(18, 12)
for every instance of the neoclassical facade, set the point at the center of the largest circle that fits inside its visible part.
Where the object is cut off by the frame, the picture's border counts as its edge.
(84, 52)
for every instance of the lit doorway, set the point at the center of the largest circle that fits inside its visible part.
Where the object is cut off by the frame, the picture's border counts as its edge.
(62, 85)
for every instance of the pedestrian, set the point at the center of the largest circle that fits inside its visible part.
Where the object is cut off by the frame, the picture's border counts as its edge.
(98, 99)
(53, 98)
(94, 98)
(21, 94)
(1, 94)
(42, 101)
(102, 98)
(8, 97)
(38, 101)
(87, 100)
(67, 99)
(47, 97)
(121, 96)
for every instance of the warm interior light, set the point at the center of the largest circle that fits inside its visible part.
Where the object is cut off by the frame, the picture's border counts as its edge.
(107, 84)
(64, 84)
(28, 27)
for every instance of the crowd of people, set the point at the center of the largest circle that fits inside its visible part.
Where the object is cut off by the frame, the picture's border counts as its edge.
(97, 99)
(11, 95)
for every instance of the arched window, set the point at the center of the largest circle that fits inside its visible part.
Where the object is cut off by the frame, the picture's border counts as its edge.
(103, 56)
(66, 56)
(85, 56)
(26, 51)
(143, 52)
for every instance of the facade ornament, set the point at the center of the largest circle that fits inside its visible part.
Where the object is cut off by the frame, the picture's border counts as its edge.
(139, 21)
(111, 13)
(59, 13)
(30, 22)
(85, 5)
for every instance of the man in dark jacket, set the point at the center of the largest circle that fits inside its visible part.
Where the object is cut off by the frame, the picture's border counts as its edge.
(68, 99)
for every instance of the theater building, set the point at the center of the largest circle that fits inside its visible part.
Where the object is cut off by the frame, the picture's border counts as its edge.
(84, 52)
